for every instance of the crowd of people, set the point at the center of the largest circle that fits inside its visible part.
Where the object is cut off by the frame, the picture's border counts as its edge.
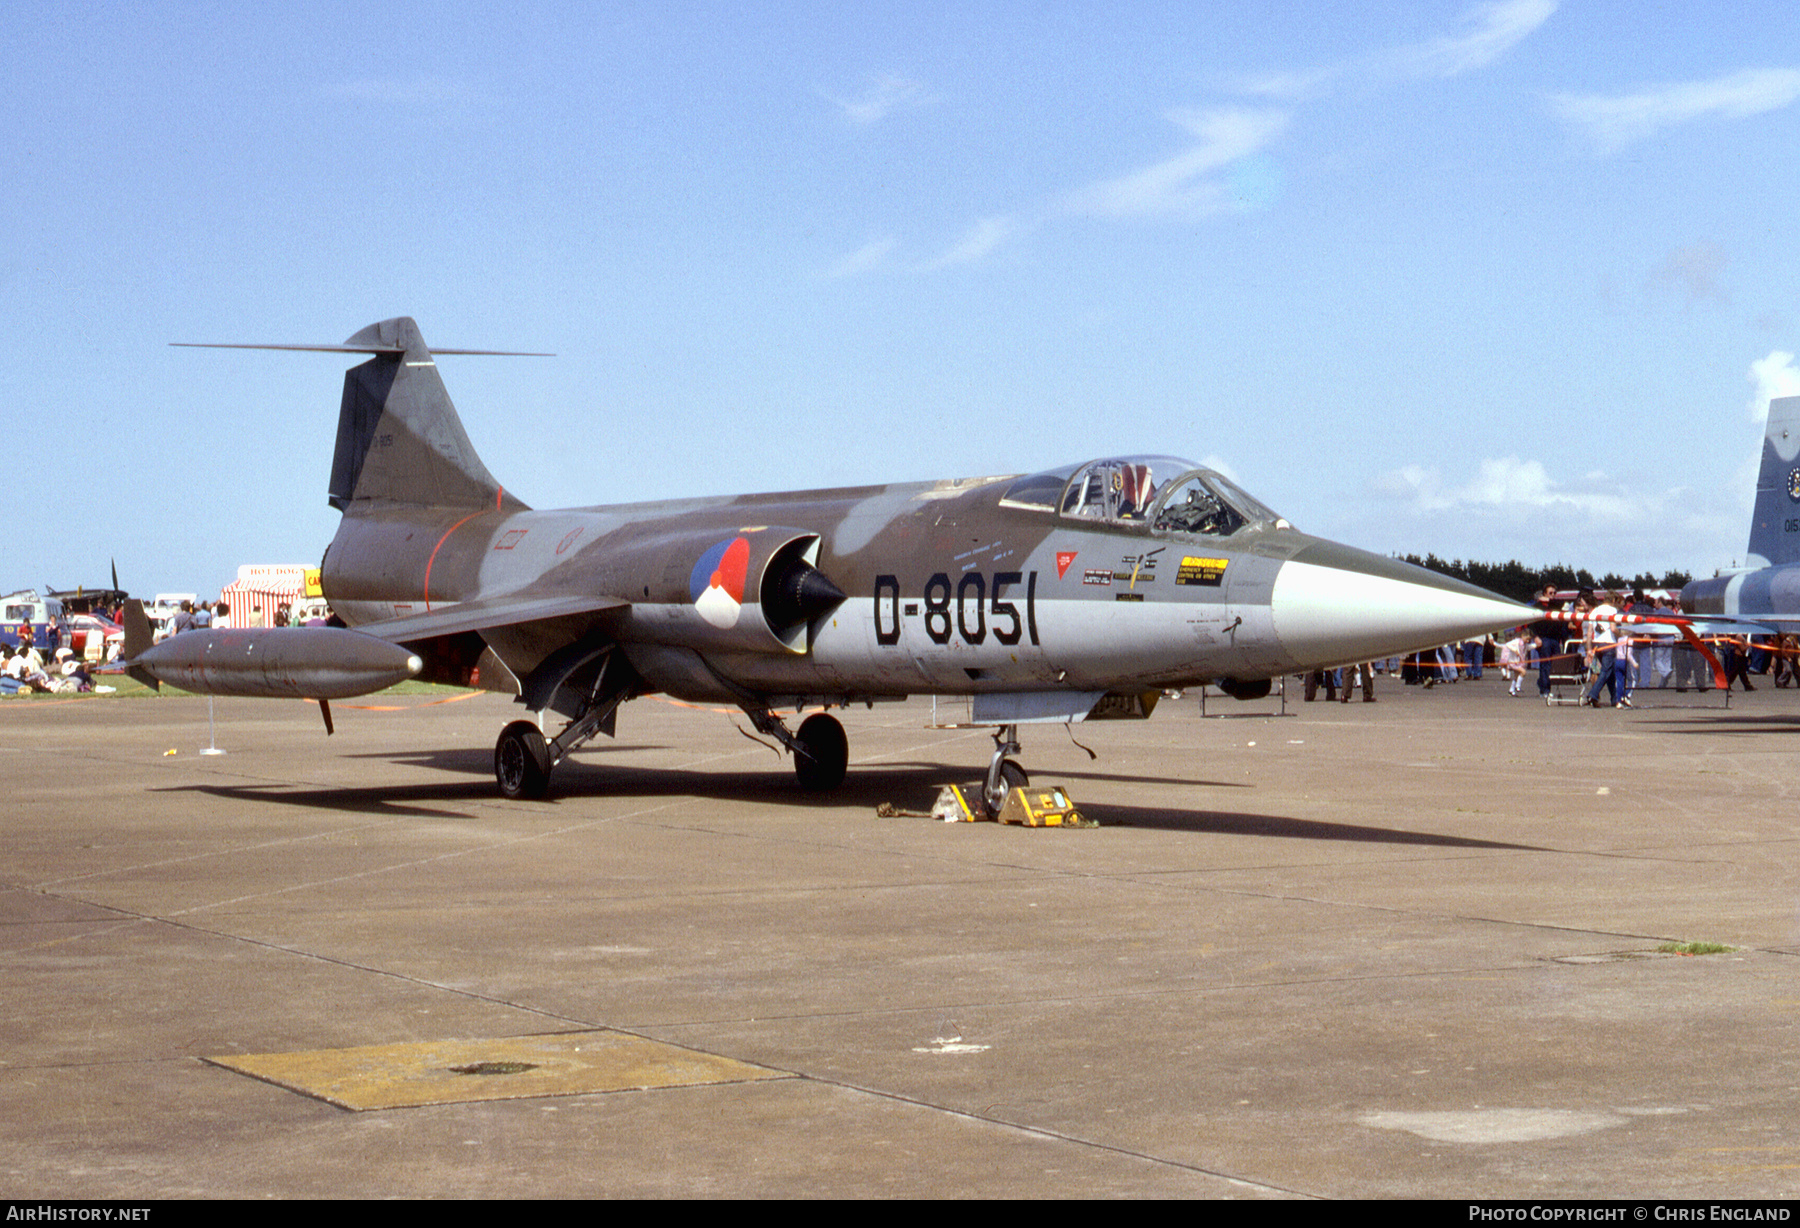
(1616, 645)
(23, 668)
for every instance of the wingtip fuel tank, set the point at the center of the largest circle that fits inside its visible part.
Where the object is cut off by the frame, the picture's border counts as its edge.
(278, 662)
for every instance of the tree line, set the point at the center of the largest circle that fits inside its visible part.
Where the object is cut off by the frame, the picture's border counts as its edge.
(1521, 583)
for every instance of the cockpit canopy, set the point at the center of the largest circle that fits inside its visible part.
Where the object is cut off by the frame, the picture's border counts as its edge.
(1166, 493)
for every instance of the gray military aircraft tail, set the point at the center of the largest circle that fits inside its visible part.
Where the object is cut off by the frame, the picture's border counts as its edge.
(1077, 593)
(1767, 588)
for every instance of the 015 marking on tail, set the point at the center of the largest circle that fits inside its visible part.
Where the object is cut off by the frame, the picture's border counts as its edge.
(1072, 594)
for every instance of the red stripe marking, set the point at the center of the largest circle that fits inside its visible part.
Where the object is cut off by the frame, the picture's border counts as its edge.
(434, 553)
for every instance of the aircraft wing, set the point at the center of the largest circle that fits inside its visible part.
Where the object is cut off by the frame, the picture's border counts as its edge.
(486, 614)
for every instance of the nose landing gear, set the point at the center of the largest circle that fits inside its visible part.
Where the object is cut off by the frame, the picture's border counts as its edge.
(1003, 775)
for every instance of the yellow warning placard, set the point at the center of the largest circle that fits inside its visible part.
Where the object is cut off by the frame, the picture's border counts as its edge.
(1194, 570)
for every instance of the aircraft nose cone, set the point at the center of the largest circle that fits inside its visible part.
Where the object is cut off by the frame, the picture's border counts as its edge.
(1333, 605)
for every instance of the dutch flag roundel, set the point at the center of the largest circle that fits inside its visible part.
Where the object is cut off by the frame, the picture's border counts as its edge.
(717, 582)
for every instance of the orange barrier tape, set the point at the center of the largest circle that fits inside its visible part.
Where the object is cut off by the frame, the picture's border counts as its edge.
(680, 703)
(430, 703)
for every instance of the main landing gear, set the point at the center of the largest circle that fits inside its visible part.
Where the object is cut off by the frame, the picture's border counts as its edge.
(523, 757)
(820, 749)
(522, 762)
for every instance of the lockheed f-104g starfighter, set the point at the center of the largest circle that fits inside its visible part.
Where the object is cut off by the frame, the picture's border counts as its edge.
(1081, 592)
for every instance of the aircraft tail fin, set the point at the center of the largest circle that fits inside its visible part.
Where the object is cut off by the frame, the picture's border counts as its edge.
(1775, 524)
(139, 637)
(399, 439)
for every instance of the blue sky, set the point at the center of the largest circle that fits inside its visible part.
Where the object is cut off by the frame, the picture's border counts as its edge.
(1494, 281)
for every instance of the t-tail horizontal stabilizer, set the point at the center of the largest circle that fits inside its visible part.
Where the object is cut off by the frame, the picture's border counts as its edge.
(399, 438)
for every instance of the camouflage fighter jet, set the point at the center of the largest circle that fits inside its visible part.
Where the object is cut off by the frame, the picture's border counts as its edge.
(1077, 593)
(1766, 590)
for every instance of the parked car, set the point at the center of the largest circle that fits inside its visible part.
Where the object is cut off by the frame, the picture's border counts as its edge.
(82, 629)
(162, 611)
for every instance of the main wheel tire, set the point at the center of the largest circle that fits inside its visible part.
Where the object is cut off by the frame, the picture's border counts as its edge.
(522, 762)
(822, 767)
(1012, 776)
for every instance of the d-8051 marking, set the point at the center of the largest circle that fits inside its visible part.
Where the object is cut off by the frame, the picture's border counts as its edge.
(973, 608)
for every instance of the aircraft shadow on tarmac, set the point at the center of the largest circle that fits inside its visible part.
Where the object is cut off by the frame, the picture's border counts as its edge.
(401, 800)
(1717, 721)
(909, 785)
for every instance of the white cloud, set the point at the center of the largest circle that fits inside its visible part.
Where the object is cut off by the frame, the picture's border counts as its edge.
(1774, 376)
(885, 95)
(865, 259)
(976, 243)
(1184, 185)
(1614, 122)
(1499, 27)
(1513, 508)
(1510, 484)
(1216, 172)
(1286, 86)
(980, 239)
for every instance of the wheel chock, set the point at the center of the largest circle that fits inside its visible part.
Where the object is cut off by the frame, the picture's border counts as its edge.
(1042, 806)
(952, 805)
(1027, 806)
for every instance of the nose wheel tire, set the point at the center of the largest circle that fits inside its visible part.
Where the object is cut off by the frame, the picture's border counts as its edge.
(1010, 776)
(522, 762)
(827, 753)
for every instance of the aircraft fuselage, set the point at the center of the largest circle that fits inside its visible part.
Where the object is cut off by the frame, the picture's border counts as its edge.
(947, 591)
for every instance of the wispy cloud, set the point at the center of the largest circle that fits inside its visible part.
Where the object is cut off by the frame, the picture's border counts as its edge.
(1498, 28)
(884, 96)
(1285, 86)
(1216, 171)
(865, 259)
(1185, 185)
(1612, 122)
(980, 239)
(1773, 375)
(877, 255)
(1181, 186)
